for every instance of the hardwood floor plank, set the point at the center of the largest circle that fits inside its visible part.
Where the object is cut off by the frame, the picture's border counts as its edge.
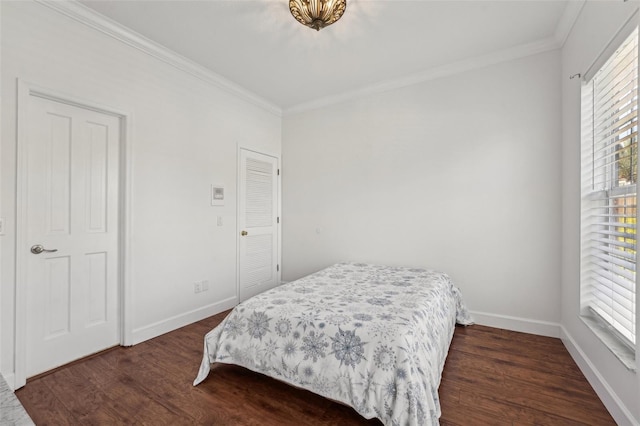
(503, 408)
(459, 415)
(557, 362)
(491, 377)
(138, 403)
(587, 411)
(66, 381)
(516, 374)
(43, 406)
(105, 415)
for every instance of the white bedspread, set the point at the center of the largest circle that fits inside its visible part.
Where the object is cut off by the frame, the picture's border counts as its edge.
(372, 337)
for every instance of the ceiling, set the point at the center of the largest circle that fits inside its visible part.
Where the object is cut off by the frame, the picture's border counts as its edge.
(259, 46)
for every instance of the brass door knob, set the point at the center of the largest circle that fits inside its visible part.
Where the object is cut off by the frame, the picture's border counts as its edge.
(244, 233)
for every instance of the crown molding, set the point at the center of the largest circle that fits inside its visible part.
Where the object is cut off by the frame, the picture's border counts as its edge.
(470, 64)
(562, 31)
(568, 20)
(93, 19)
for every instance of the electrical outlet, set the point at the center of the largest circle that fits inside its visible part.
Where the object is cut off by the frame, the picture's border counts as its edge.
(205, 285)
(197, 287)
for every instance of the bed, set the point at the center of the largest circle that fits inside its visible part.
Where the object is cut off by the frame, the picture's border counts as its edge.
(371, 337)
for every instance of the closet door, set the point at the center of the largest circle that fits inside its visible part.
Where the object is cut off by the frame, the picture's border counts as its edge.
(258, 223)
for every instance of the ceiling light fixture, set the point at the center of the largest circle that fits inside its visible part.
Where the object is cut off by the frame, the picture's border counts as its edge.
(317, 14)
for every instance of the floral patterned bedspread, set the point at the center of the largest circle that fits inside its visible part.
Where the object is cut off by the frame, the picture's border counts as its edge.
(372, 337)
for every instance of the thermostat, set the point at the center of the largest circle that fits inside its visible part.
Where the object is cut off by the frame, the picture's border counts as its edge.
(217, 195)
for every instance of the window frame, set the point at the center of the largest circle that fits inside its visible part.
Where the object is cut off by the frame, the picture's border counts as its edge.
(600, 198)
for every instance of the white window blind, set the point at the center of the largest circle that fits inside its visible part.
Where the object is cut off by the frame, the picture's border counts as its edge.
(609, 181)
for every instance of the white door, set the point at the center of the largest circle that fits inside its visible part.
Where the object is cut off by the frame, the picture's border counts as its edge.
(258, 223)
(71, 235)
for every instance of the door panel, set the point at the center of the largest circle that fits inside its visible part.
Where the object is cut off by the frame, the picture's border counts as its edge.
(72, 209)
(258, 222)
(56, 158)
(56, 285)
(97, 177)
(98, 287)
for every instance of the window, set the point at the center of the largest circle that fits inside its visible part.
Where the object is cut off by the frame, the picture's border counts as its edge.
(609, 180)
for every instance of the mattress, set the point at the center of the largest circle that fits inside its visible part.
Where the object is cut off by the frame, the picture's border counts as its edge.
(370, 336)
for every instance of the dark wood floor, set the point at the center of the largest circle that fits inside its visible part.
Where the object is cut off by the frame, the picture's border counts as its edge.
(492, 377)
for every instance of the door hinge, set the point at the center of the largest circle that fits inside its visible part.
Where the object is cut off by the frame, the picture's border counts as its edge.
(277, 268)
(278, 172)
(278, 219)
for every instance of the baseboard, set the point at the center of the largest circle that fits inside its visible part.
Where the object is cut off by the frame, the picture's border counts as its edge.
(616, 408)
(161, 327)
(10, 379)
(524, 325)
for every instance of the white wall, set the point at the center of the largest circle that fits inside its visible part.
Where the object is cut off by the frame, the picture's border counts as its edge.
(1, 231)
(184, 136)
(618, 387)
(460, 174)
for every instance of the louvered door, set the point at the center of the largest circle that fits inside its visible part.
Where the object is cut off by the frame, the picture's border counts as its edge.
(258, 223)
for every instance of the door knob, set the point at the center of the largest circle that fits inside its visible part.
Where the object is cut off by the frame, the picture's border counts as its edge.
(244, 233)
(37, 249)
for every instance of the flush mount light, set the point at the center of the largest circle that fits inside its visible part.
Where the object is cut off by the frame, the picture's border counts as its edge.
(317, 14)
